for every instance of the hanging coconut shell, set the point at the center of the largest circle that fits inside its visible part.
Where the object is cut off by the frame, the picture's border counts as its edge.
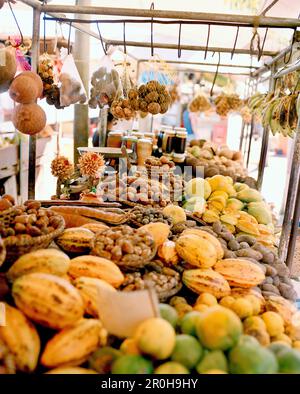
(23, 90)
(29, 118)
(8, 68)
(36, 78)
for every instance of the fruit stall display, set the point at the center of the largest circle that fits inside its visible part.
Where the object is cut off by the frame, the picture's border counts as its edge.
(226, 300)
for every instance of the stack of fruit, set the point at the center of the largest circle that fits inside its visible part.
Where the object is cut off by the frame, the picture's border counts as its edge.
(240, 208)
(216, 160)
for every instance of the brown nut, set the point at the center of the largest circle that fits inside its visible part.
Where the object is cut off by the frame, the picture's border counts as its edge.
(24, 219)
(5, 204)
(32, 211)
(20, 228)
(9, 198)
(33, 231)
(32, 204)
(32, 218)
(10, 231)
(42, 222)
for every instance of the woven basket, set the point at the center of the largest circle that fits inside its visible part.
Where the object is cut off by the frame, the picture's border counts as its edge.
(7, 216)
(18, 246)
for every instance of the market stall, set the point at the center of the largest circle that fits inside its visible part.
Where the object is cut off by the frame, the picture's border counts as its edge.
(152, 241)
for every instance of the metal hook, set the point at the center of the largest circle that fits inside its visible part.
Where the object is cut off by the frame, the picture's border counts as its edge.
(101, 39)
(263, 45)
(124, 38)
(152, 49)
(216, 74)
(179, 40)
(69, 38)
(18, 26)
(255, 35)
(207, 41)
(235, 41)
(285, 60)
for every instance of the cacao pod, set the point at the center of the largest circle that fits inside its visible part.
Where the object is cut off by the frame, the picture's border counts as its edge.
(21, 338)
(159, 231)
(48, 300)
(88, 288)
(196, 251)
(208, 237)
(49, 261)
(206, 281)
(96, 267)
(73, 345)
(71, 371)
(240, 272)
(76, 240)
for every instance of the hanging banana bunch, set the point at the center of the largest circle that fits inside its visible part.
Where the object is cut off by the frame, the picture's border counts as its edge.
(278, 110)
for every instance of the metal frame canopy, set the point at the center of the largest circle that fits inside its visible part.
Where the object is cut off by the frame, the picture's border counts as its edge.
(153, 16)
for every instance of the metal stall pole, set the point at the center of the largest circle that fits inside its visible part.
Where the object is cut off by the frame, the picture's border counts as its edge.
(254, 89)
(32, 139)
(291, 197)
(294, 231)
(81, 112)
(265, 137)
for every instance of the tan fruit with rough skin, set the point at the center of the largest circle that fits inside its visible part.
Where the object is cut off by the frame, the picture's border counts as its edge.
(71, 371)
(88, 288)
(196, 251)
(159, 231)
(21, 338)
(49, 261)
(208, 237)
(206, 281)
(48, 300)
(167, 253)
(247, 227)
(240, 272)
(175, 212)
(96, 267)
(73, 345)
(76, 240)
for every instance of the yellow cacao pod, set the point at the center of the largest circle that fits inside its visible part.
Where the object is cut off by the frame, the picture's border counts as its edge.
(159, 231)
(240, 272)
(167, 253)
(208, 237)
(76, 240)
(73, 345)
(49, 261)
(196, 251)
(21, 338)
(88, 288)
(206, 281)
(48, 300)
(71, 371)
(96, 267)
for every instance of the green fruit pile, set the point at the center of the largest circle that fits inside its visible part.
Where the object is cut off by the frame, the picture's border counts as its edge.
(208, 342)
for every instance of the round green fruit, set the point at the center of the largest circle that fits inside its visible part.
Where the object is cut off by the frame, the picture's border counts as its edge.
(132, 364)
(218, 328)
(187, 351)
(168, 313)
(188, 323)
(170, 368)
(214, 360)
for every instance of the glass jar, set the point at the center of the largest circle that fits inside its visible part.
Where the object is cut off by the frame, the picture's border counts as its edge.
(168, 141)
(114, 139)
(180, 140)
(144, 150)
(160, 137)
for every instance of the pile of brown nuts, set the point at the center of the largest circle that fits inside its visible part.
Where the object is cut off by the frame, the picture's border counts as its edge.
(149, 215)
(127, 247)
(30, 219)
(164, 163)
